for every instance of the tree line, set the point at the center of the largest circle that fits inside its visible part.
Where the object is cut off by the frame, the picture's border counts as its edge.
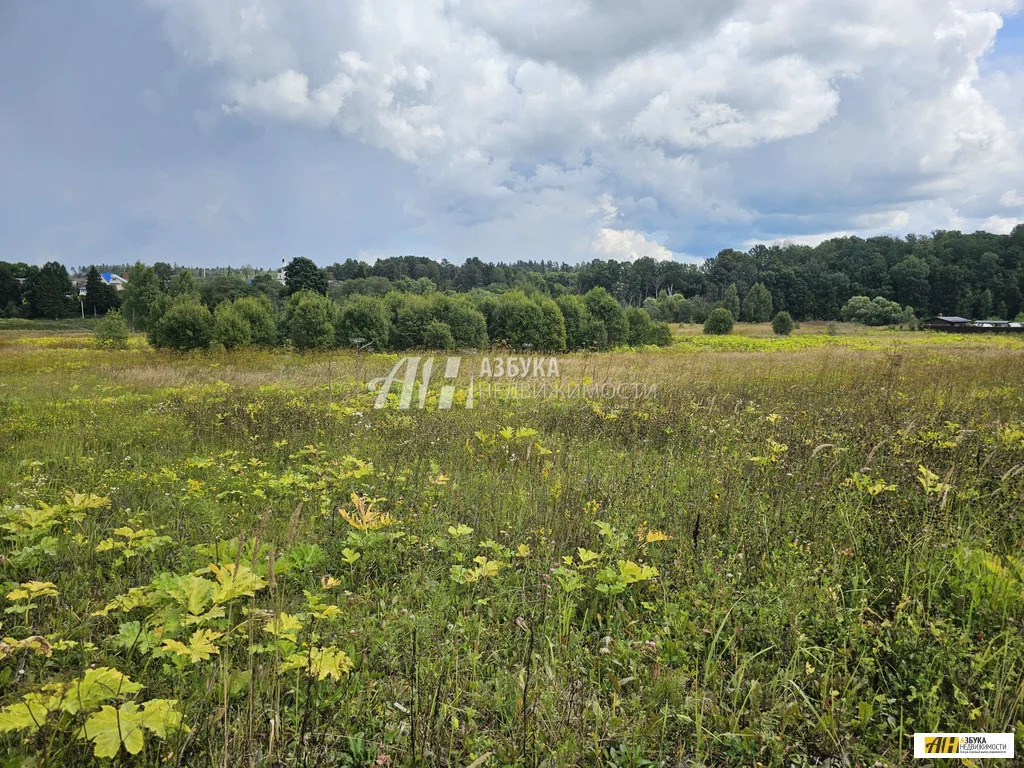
(177, 316)
(977, 276)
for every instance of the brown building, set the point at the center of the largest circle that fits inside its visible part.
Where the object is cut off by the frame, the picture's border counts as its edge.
(946, 323)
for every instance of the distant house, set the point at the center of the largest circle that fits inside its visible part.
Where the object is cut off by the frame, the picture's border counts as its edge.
(946, 323)
(993, 324)
(280, 273)
(963, 325)
(114, 279)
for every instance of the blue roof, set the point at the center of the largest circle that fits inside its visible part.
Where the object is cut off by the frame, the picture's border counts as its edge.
(107, 276)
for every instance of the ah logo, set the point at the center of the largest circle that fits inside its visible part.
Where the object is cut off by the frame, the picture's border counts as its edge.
(941, 745)
(408, 383)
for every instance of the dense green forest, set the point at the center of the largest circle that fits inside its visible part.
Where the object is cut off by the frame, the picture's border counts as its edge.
(412, 301)
(977, 275)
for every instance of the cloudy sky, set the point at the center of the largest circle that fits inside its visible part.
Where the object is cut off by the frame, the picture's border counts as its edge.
(241, 131)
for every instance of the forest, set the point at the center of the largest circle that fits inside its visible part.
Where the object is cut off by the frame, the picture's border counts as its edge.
(412, 301)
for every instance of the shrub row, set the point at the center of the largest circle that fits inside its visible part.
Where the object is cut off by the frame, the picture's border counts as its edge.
(399, 321)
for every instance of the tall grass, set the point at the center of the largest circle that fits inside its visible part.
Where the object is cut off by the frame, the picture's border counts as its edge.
(795, 552)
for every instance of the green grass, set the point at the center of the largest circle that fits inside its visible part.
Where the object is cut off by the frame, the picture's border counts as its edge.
(797, 550)
(68, 324)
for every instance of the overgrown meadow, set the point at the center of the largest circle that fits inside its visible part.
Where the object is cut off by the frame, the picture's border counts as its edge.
(798, 552)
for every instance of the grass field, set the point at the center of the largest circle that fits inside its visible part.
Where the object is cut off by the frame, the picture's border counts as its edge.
(791, 552)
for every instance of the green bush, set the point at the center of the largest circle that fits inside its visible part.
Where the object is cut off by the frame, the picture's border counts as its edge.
(576, 317)
(782, 324)
(186, 325)
(877, 311)
(112, 331)
(604, 307)
(438, 335)
(487, 304)
(719, 322)
(365, 318)
(410, 316)
(468, 325)
(230, 327)
(554, 336)
(519, 322)
(595, 335)
(310, 320)
(638, 327)
(258, 312)
(660, 335)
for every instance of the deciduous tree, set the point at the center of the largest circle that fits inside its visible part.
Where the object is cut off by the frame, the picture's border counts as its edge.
(302, 274)
(757, 304)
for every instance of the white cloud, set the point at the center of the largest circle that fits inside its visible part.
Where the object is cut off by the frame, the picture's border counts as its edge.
(1012, 200)
(287, 95)
(628, 245)
(811, 240)
(999, 225)
(781, 118)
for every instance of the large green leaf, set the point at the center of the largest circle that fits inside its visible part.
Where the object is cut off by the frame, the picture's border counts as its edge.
(97, 686)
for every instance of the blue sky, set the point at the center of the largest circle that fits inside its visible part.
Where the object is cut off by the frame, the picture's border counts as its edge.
(1008, 50)
(245, 131)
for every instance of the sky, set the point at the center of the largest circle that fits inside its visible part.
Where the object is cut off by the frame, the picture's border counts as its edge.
(241, 132)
